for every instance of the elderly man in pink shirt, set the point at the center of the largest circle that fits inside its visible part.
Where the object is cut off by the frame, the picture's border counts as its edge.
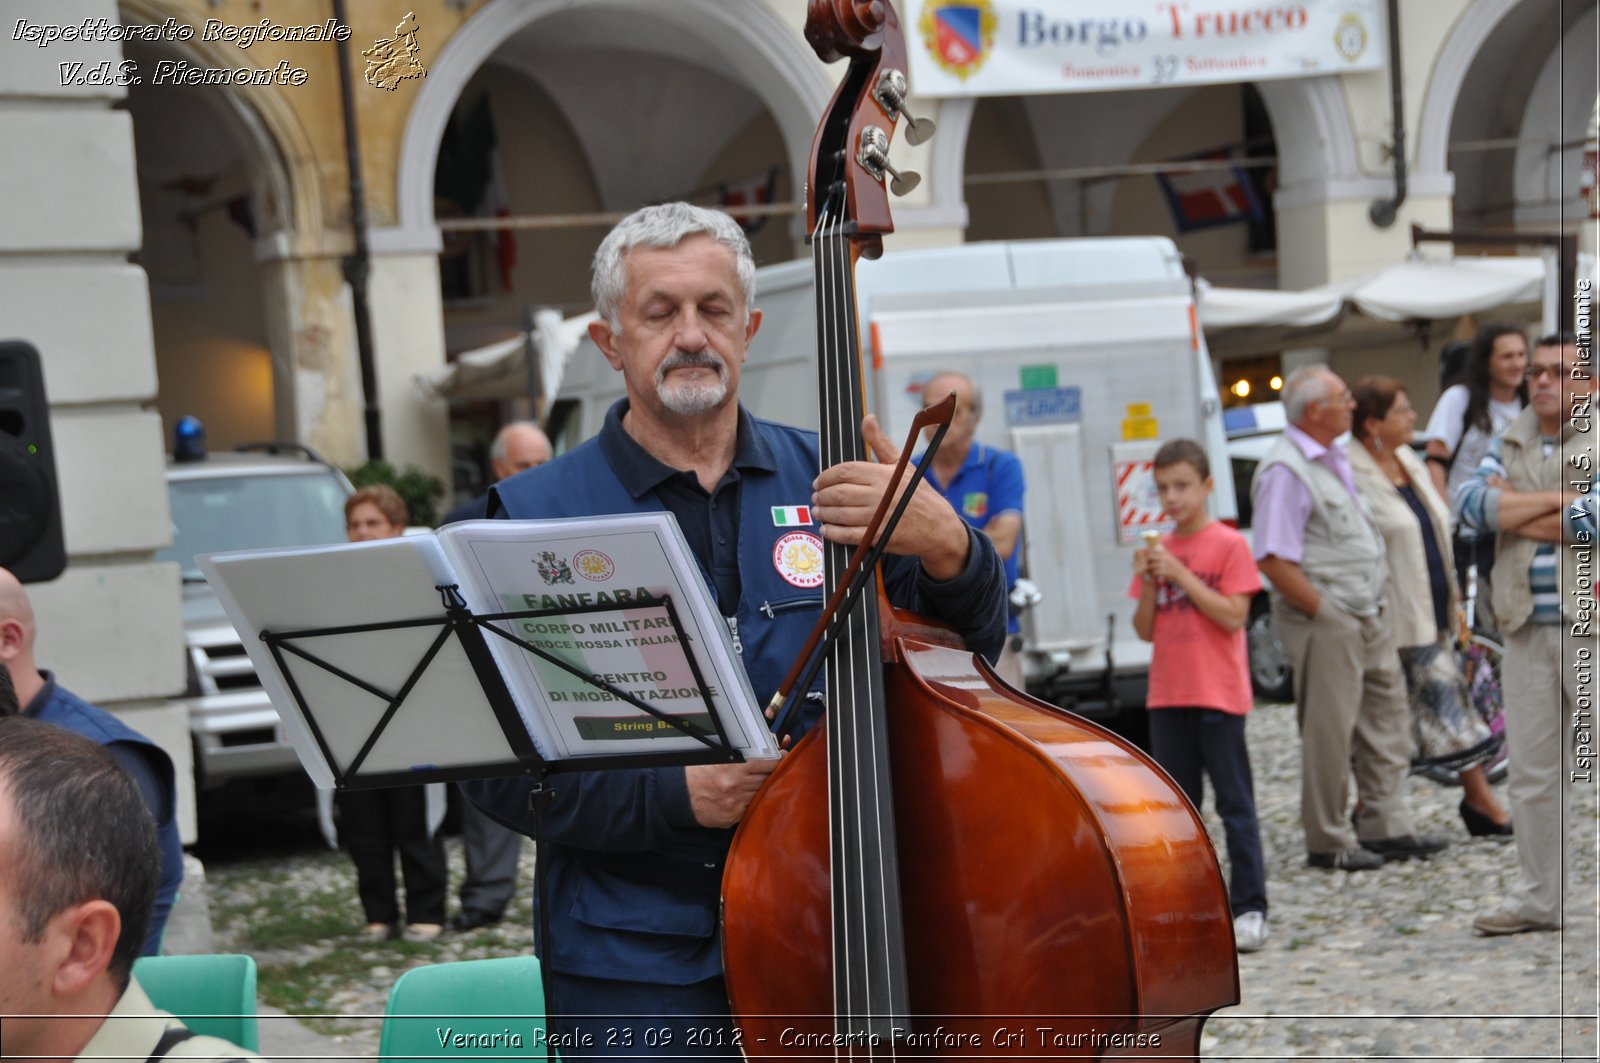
(1316, 543)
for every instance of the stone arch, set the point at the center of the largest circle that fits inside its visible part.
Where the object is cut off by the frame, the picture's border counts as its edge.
(947, 162)
(1542, 183)
(1316, 141)
(1450, 69)
(753, 43)
(1495, 87)
(282, 157)
(1310, 121)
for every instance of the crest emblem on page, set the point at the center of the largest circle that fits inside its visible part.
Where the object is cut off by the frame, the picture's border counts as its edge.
(553, 569)
(798, 558)
(959, 36)
(593, 565)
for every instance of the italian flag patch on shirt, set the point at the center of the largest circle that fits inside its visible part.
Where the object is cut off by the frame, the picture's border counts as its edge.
(791, 516)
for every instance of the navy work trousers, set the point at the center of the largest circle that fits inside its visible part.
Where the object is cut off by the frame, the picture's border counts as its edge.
(1189, 742)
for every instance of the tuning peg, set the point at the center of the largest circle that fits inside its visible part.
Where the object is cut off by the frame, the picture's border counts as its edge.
(918, 130)
(902, 182)
(891, 95)
(873, 155)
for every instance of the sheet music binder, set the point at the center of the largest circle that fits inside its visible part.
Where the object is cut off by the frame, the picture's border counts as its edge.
(457, 620)
(407, 660)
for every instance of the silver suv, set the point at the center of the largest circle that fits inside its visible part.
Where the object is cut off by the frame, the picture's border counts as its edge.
(269, 495)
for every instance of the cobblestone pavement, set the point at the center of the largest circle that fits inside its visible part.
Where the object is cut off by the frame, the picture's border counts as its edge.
(1385, 963)
(1380, 964)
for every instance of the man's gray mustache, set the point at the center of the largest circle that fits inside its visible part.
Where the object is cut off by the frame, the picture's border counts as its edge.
(696, 360)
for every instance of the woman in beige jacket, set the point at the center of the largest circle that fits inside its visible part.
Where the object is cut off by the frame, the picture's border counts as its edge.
(1422, 597)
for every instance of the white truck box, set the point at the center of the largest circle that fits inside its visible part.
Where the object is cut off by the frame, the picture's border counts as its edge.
(1092, 326)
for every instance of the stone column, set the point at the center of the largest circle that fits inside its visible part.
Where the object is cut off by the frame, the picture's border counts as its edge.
(408, 334)
(315, 372)
(111, 626)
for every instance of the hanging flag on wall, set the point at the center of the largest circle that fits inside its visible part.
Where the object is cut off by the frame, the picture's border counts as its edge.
(751, 191)
(497, 204)
(1200, 199)
(469, 174)
(242, 214)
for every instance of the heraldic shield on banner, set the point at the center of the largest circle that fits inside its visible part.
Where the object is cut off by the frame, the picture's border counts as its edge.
(959, 35)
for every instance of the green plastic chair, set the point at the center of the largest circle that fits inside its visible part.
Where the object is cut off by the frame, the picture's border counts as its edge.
(214, 995)
(472, 1009)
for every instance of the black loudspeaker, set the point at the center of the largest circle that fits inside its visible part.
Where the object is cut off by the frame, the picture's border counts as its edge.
(30, 505)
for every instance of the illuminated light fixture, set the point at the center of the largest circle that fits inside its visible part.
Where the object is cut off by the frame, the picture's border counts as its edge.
(1276, 383)
(1241, 389)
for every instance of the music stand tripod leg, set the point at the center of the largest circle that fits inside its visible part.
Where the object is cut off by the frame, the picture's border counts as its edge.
(538, 798)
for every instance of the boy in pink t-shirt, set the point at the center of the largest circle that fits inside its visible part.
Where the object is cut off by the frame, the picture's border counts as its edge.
(1194, 590)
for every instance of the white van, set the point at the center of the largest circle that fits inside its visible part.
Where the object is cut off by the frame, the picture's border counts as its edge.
(1089, 355)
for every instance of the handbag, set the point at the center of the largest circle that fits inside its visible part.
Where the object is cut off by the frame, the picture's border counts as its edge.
(1454, 693)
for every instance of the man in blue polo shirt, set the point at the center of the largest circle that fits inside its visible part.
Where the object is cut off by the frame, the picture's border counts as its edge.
(634, 856)
(984, 485)
(42, 699)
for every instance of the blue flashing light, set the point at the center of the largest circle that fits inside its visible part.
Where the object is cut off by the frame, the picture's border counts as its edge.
(189, 440)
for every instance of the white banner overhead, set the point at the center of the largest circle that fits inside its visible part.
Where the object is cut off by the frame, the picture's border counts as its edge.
(1014, 47)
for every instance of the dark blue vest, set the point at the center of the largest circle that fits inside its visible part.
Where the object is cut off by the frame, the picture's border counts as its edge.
(58, 706)
(633, 880)
(773, 616)
(65, 709)
(633, 884)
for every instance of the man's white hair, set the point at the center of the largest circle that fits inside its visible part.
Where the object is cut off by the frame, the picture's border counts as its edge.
(664, 226)
(501, 444)
(1303, 387)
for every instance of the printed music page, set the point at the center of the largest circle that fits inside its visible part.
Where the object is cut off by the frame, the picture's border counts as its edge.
(591, 578)
(592, 581)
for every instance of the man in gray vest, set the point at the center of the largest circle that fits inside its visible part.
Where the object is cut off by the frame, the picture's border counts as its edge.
(1317, 545)
(1535, 487)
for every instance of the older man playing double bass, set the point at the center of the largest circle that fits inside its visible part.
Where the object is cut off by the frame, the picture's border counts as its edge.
(634, 857)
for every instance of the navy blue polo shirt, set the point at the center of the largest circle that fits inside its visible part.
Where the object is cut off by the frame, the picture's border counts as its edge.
(710, 520)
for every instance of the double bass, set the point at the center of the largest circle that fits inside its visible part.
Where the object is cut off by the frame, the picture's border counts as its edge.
(944, 864)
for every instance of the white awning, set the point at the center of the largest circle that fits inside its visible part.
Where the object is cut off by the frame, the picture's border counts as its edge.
(1434, 288)
(1226, 308)
(500, 370)
(1419, 288)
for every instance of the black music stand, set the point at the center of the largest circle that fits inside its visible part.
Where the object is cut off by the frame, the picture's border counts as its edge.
(459, 622)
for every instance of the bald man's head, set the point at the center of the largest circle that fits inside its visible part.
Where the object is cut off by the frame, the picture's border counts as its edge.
(969, 406)
(14, 604)
(16, 637)
(968, 396)
(519, 445)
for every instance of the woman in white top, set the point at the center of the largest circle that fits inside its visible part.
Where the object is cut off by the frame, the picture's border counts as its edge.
(1446, 728)
(1489, 395)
